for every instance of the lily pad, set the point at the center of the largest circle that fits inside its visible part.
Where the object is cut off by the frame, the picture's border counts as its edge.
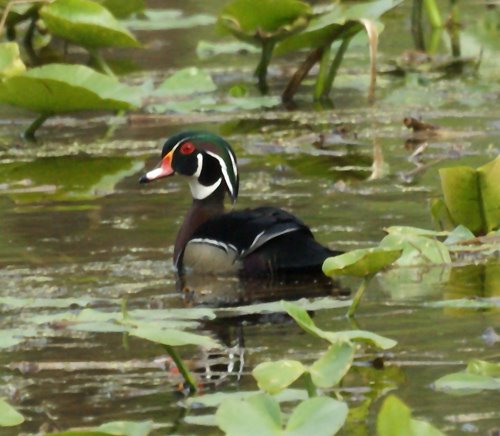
(86, 23)
(10, 60)
(361, 262)
(464, 383)
(172, 337)
(273, 377)
(187, 81)
(9, 416)
(59, 88)
(255, 20)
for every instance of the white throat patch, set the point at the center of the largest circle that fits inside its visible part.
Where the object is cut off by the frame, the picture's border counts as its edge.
(199, 191)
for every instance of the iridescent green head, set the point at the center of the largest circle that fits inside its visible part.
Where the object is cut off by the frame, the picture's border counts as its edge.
(207, 159)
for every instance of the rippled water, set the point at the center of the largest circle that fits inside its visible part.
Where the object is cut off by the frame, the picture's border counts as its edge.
(79, 231)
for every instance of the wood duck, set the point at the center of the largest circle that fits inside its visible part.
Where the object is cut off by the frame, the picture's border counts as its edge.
(266, 241)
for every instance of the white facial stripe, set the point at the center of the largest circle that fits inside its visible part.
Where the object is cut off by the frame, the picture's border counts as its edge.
(199, 191)
(224, 172)
(199, 167)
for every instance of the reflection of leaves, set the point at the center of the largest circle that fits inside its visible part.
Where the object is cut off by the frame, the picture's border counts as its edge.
(121, 428)
(473, 281)
(86, 23)
(69, 177)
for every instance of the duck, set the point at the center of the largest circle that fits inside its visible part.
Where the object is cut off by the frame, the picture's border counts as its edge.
(261, 242)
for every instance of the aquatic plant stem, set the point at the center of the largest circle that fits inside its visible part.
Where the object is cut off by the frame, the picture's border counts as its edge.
(334, 67)
(416, 25)
(321, 79)
(101, 63)
(359, 294)
(29, 134)
(186, 374)
(310, 386)
(433, 13)
(299, 75)
(265, 58)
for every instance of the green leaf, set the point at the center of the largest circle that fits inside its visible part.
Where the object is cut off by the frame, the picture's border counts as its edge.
(489, 182)
(172, 337)
(58, 88)
(10, 60)
(127, 428)
(187, 81)
(302, 318)
(273, 377)
(420, 427)
(463, 383)
(86, 23)
(330, 368)
(459, 234)
(255, 20)
(472, 197)
(257, 415)
(362, 262)
(9, 416)
(417, 250)
(319, 416)
(482, 367)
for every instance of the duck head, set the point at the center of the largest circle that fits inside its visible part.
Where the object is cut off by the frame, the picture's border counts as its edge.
(206, 159)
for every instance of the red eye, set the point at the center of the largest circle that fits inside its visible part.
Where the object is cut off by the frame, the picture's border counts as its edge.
(187, 148)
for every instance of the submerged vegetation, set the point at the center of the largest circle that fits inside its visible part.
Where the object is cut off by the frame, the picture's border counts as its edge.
(84, 294)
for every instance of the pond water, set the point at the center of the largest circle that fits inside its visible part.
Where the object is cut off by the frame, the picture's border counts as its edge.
(78, 231)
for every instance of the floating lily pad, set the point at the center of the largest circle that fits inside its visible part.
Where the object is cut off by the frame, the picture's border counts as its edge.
(464, 383)
(172, 337)
(165, 19)
(9, 416)
(59, 88)
(86, 23)
(361, 262)
(115, 428)
(187, 81)
(10, 60)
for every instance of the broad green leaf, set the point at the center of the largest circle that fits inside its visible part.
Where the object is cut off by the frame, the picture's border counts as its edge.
(12, 337)
(416, 231)
(58, 88)
(420, 427)
(257, 415)
(9, 416)
(172, 337)
(86, 23)
(330, 368)
(482, 367)
(459, 234)
(361, 262)
(394, 418)
(319, 416)
(463, 383)
(273, 377)
(472, 196)
(255, 20)
(417, 250)
(303, 319)
(361, 336)
(489, 182)
(214, 400)
(10, 60)
(187, 81)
